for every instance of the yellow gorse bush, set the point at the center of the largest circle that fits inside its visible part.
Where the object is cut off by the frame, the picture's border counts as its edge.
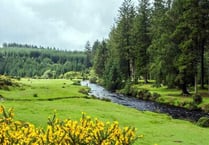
(86, 131)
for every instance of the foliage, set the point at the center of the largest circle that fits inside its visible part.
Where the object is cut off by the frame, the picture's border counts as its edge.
(73, 75)
(84, 91)
(205, 108)
(197, 99)
(84, 131)
(203, 122)
(6, 82)
(36, 62)
(100, 57)
(166, 41)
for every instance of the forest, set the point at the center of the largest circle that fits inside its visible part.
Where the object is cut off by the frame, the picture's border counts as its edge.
(162, 40)
(38, 62)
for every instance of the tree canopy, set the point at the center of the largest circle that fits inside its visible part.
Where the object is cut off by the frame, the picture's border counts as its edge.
(166, 40)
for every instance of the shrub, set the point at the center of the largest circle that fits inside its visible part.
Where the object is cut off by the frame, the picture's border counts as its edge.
(93, 80)
(197, 99)
(144, 94)
(203, 122)
(85, 131)
(84, 91)
(190, 105)
(76, 82)
(127, 89)
(155, 96)
(35, 95)
(205, 108)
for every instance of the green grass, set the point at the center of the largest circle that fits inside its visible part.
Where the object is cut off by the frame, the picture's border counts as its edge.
(157, 128)
(174, 96)
(34, 89)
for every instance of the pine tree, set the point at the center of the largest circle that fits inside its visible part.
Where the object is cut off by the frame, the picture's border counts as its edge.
(88, 62)
(142, 24)
(124, 38)
(100, 59)
(188, 38)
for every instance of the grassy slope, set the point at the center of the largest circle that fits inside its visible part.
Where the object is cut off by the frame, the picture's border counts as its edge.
(156, 128)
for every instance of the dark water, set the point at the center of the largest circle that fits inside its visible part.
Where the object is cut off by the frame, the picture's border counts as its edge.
(175, 112)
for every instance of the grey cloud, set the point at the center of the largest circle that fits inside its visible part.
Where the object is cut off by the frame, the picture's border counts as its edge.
(65, 24)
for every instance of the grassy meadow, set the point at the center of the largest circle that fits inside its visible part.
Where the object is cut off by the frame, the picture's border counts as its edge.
(156, 128)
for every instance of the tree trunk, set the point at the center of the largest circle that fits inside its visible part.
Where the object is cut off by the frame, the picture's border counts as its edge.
(195, 84)
(202, 43)
(208, 77)
(184, 90)
(145, 79)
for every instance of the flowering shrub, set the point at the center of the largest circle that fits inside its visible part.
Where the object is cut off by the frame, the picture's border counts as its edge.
(86, 131)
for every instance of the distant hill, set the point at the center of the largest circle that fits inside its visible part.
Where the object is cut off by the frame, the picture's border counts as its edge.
(31, 61)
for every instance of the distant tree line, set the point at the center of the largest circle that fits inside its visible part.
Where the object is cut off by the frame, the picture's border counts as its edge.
(17, 45)
(30, 61)
(167, 41)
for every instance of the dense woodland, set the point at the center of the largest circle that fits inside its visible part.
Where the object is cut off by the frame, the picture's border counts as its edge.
(166, 41)
(32, 61)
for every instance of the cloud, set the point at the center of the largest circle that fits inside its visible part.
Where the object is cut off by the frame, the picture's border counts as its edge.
(64, 24)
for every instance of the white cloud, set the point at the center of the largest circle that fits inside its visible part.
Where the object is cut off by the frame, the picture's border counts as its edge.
(64, 24)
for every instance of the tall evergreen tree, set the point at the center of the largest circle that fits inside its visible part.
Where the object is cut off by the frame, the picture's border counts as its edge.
(187, 34)
(125, 46)
(203, 38)
(142, 36)
(112, 74)
(88, 53)
(162, 50)
(100, 59)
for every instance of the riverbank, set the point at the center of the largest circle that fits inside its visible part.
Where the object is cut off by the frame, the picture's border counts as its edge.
(167, 96)
(144, 105)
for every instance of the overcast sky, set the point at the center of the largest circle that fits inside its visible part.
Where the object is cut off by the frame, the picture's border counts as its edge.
(64, 24)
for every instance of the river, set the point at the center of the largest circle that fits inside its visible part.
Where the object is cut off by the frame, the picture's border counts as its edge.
(176, 112)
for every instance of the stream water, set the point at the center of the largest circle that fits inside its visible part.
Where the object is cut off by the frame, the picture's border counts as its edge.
(175, 112)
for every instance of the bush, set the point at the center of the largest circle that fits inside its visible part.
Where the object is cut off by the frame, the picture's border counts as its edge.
(197, 99)
(6, 82)
(155, 96)
(76, 82)
(190, 106)
(84, 91)
(93, 80)
(127, 88)
(144, 94)
(35, 95)
(203, 122)
(85, 131)
(205, 108)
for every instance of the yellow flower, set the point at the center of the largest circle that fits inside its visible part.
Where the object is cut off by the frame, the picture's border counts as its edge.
(141, 136)
(1, 109)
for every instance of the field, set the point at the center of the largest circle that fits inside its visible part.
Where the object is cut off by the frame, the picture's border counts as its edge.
(36, 100)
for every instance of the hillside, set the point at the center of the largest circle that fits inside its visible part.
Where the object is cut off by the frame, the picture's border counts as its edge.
(37, 62)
